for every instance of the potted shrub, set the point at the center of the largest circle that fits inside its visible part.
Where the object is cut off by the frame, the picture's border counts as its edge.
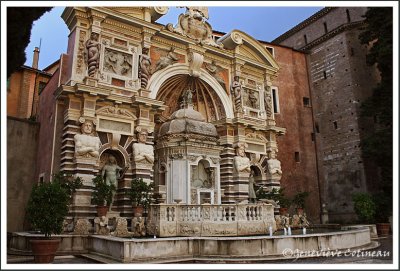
(279, 197)
(364, 207)
(68, 182)
(383, 203)
(299, 201)
(46, 210)
(140, 194)
(102, 195)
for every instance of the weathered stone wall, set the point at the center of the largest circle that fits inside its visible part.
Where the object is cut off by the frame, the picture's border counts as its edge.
(22, 138)
(316, 29)
(340, 81)
(292, 84)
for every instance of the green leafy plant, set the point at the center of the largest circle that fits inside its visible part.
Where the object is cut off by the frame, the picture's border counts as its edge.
(102, 191)
(384, 209)
(68, 182)
(277, 195)
(140, 192)
(299, 199)
(365, 207)
(47, 208)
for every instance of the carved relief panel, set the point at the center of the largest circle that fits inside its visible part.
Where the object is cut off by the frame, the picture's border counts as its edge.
(119, 63)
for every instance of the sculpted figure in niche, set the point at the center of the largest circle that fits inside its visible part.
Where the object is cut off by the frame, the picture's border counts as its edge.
(253, 100)
(92, 53)
(143, 153)
(236, 90)
(252, 192)
(274, 165)
(167, 60)
(111, 172)
(144, 65)
(268, 101)
(86, 144)
(241, 161)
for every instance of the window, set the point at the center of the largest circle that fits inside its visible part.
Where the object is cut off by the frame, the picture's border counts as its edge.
(325, 75)
(312, 137)
(335, 125)
(271, 50)
(297, 156)
(305, 39)
(317, 127)
(306, 102)
(41, 86)
(325, 28)
(275, 100)
(348, 16)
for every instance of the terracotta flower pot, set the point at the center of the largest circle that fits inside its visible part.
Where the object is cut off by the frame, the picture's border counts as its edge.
(283, 211)
(102, 210)
(44, 250)
(138, 211)
(383, 229)
(300, 211)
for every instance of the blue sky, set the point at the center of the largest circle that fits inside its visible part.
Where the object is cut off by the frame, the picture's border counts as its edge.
(262, 22)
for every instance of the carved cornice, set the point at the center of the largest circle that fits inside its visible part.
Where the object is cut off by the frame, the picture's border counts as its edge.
(331, 34)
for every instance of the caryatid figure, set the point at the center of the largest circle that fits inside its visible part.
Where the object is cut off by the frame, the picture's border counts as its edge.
(86, 144)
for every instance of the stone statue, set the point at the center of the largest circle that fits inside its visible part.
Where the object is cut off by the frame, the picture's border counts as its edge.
(101, 226)
(86, 144)
(138, 227)
(111, 172)
(241, 161)
(82, 226)
(187, 97)
(198, 13)
(274, 165)
(236, 90)
(143, 153)
(167, 60)
(253, 99)
(252, 192)
(268, 101)
(92, 53)
(304, 221)
(144, 65)
(213, 69)
(121, 228)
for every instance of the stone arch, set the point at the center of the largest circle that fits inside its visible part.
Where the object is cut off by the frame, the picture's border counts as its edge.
(160, 77)
(120, 154)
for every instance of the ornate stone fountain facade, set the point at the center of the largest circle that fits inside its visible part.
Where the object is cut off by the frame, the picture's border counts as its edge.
(173, 105)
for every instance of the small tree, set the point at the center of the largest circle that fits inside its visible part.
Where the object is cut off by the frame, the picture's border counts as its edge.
(365, 207)
(299, 199)
(102, 192)
(140, 192)
(47, 208)
(68, 182)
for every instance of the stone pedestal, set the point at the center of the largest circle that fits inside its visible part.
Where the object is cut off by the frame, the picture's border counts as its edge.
(241, 185)
(142, 170)
(85, 168)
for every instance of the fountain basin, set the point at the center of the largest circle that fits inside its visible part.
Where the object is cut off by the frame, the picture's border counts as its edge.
(174, 249)
(262, 247)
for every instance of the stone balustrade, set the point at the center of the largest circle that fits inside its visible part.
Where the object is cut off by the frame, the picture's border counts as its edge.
(167, 220)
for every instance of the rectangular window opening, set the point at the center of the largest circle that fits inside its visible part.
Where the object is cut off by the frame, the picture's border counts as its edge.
(348, 16)
(306, 102)
(275, 100)
(305, 39)
(325, 28)
(297, 156)
(312, 137)
(335, 125)
(316, 127)
(325, 75)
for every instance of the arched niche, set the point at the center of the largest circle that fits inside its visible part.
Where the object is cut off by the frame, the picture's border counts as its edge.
(182, 71)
